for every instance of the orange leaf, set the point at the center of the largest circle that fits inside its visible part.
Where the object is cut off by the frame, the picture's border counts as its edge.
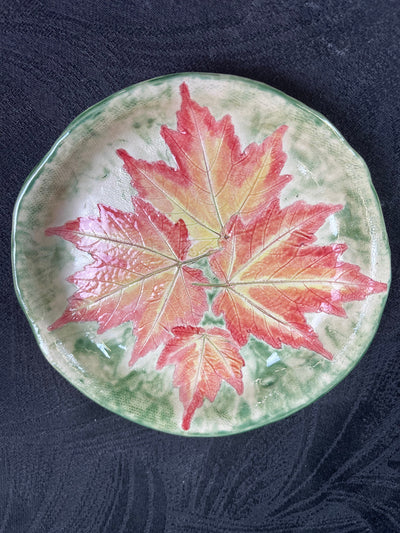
(203, 359)
(273, 274)
(214, 178)
(139, 274)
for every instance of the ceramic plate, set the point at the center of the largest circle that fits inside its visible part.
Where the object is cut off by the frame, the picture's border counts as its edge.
(201, 254)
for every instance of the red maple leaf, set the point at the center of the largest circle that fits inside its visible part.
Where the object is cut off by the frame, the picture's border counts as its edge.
(203, 358)
(270, 269)
(214, 178)
(273, 273)
(139, 273)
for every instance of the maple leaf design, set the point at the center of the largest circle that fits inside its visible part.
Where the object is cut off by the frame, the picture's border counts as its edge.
(274, 273)
(214, 178)
(139, 273)
(203, 358)
(220, 204)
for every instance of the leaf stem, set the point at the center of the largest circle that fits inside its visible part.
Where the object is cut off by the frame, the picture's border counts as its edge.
(197, 258)
(213, 285)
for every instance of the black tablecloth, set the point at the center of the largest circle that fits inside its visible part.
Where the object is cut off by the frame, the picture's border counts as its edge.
(68, 465)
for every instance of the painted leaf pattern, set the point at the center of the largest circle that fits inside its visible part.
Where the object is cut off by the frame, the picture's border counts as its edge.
(219, 205)
(214, 178)
(203, 358)
(274, 274)
(138, 274)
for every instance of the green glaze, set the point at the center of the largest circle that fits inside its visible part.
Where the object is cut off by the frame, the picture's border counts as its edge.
(82, 170)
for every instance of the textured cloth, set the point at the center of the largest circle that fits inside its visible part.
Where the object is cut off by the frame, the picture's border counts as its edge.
(66, 464)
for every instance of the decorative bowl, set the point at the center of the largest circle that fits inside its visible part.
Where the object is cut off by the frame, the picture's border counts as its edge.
(201, 254)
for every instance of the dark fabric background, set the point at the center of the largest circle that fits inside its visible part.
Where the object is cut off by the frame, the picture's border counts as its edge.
(68, 465)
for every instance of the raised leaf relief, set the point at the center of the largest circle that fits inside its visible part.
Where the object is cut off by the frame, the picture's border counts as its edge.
(203, 359)
(219, 204)
(139, 273)
(214, 178)
(274, 273)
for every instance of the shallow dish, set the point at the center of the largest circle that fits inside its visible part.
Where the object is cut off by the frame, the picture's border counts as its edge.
(201, 254)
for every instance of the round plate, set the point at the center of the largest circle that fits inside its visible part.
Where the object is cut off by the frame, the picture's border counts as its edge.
(201, 254)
